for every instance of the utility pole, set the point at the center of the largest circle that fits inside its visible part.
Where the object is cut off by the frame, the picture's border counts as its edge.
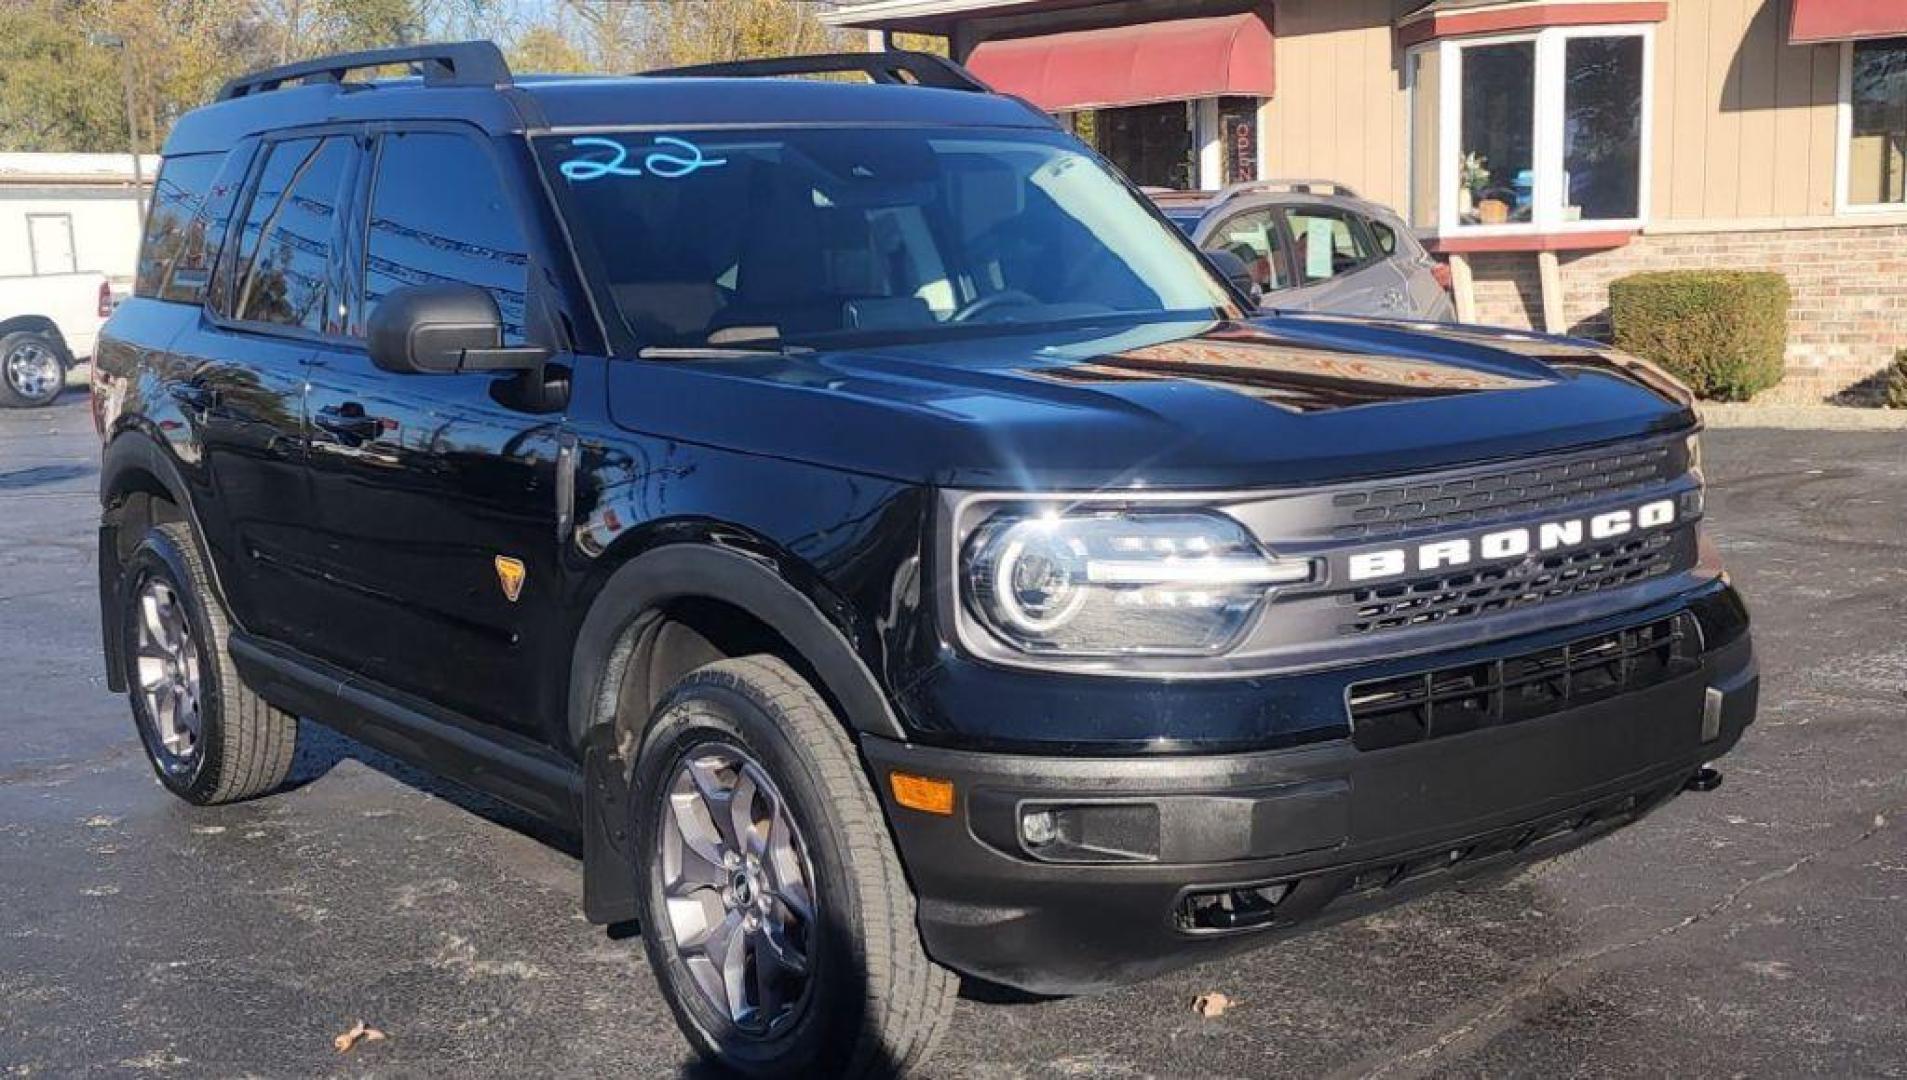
(114, 41)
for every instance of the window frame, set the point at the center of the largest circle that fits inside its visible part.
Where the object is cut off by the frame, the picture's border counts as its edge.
(221, 292)
(1844, 205)
(1547, 143)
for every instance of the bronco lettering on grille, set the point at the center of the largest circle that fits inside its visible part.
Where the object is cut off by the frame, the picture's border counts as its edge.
(1513, 543)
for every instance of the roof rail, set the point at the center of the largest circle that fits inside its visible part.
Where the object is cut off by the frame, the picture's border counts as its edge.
(1308, 187)
(894, 67)
(454, 63)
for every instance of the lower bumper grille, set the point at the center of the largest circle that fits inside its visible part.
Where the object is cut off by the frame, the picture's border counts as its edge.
(1448, 701)
(1292, 901)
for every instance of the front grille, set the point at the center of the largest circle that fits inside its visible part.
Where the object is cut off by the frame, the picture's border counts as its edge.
(1483, 497)
(1480, 592)
(1448, 701)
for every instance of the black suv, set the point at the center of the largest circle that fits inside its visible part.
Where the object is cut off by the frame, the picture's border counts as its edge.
(875, 531)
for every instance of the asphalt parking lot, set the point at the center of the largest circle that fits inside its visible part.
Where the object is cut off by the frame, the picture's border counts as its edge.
(1760, 930)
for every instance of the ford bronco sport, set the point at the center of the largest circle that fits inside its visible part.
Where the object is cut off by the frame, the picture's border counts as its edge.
(875, 531)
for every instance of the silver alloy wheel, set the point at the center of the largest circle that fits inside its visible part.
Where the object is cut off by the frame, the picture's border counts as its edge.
(33, 371)
(168, 667)
(738, 889)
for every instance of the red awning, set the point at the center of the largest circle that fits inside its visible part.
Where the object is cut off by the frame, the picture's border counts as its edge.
(1846, 20)
(1132, 65)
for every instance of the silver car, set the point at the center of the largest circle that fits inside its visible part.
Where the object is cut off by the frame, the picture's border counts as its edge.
(1315, 245)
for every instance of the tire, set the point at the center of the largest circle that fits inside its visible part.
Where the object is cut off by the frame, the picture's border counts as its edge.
(241, 746)
(32, 369)
(871, 1003)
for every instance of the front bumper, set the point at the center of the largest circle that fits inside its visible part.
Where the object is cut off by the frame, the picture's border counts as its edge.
(1194, 857)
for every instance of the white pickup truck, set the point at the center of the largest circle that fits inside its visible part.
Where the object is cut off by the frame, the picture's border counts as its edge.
(48, 322)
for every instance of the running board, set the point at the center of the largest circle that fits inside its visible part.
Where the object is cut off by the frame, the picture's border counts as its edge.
(534, 779)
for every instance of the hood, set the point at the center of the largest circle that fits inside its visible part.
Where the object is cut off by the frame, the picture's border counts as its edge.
(1281, 401)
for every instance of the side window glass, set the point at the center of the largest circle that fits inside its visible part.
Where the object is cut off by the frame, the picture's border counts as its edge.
(439, 214)
(1385, 236)
(1325, 242)
(1253, 237)
(189, 275)
(286, 284)
(178, 201)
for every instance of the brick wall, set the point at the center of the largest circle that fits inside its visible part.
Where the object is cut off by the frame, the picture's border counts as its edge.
(1850, 293)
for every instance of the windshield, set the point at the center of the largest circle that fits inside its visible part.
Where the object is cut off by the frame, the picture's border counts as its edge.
(733, 238)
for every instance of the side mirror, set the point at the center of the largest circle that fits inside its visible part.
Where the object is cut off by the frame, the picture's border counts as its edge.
(444, 329)
(1234, 270)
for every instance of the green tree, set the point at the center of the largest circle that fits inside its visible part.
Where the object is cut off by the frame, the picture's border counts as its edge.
(57, 92)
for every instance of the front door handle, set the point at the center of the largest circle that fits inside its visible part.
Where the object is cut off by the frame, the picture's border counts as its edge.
(349, 421)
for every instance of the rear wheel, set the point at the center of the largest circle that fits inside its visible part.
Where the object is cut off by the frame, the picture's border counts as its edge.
(32, 369)
(773, 907)
(209, 738)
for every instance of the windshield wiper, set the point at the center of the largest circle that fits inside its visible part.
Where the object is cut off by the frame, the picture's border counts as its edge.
(717, 352)
(732, 342)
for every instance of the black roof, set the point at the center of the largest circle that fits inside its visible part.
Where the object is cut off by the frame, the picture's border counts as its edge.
(544, 103)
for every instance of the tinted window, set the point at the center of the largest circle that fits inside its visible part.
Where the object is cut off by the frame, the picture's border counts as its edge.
(1325, 243)
(178, 200)
(188, 276)
(426, 228)
(729, 237)
(1254, 238)
(293, 214)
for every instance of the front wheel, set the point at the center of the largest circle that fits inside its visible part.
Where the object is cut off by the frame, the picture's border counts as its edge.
(773, 907)
(32, 370)
(209, 737)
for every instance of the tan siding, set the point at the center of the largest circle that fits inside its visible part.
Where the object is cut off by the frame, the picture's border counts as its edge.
(1745, 122)
(1339, 112)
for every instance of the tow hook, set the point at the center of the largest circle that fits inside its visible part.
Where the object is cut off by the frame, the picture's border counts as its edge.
(1706, 778)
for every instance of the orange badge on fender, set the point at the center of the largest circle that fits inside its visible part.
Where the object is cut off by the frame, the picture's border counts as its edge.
(510, 575)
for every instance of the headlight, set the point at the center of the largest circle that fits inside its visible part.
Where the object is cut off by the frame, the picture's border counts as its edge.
(1119, 583)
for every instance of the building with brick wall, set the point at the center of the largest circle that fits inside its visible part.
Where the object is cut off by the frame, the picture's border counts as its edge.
(1545, 147)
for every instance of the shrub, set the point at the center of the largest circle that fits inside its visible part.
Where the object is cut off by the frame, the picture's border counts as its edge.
(1723, 332)
(1897, 381)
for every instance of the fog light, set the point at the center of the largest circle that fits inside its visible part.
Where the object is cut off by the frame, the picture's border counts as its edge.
(1039, 827)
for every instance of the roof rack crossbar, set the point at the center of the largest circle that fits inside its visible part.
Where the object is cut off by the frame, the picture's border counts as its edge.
(894, 67)
(457, 63)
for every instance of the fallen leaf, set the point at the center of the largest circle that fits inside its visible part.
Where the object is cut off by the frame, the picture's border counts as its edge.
(360, 1032)
(1211, 1006)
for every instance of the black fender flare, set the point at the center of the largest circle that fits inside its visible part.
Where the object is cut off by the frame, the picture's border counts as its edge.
(135, 450)
(691, 570)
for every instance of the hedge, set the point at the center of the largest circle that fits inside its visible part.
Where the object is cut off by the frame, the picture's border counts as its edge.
(1723, 332)
(1897, 382)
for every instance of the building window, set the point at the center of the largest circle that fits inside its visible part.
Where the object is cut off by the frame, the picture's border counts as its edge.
(1540, 132)
(1876, 152)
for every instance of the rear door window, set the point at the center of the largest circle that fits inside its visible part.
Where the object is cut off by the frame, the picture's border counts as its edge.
(426, 230)
(1253, 237)
(1326, 243)
(293, 216)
